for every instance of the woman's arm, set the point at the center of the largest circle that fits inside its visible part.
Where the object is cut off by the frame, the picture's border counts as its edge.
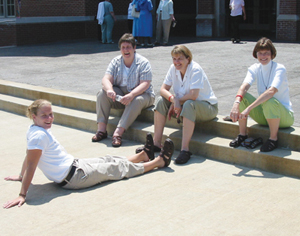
(269, 93)
(113, 16)
(142, 87)
(32, 159)
(172, 16)
(175, 107)
(244, 11)
(235, 110)
(192, 95)
(107, 85)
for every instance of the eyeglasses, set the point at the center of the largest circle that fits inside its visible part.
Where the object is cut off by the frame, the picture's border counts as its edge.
(263, 54)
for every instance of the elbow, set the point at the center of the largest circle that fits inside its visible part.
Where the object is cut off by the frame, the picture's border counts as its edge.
(194, 97)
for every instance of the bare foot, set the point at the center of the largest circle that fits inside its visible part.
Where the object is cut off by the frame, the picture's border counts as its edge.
(160, 162)
(144, 156)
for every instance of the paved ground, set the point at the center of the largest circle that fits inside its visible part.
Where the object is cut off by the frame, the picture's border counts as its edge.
(80, 65)
(204, 197)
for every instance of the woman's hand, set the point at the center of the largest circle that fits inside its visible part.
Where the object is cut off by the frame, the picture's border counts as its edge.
(177, 107)
(235, 112)
(13, 178)
(127, 99)
(18, 201)
(111, 94)
(171, 111)
(244, 115)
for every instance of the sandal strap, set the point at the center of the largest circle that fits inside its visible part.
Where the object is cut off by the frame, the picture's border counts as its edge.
(99, 136)
(238, 140)
(167, 151)
(116, 141)
(269, 145)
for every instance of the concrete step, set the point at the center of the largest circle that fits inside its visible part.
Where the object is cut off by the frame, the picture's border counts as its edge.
(288, 138)
(281, 161)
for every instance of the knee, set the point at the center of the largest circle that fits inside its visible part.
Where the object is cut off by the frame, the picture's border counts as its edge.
(188, 110)
(161, 105)
(188, 106)
(271, 104)
(101, 97)
(137, 101)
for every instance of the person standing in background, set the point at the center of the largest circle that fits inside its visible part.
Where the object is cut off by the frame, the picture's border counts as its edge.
(130, 18)
(145, 22)
(237, 8)
(108, 22)
(164, 17)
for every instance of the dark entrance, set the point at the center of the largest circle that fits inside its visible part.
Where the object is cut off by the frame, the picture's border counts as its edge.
(261, 19)
(185, 12)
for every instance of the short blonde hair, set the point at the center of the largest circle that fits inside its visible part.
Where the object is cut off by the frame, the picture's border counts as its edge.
(35, 106)
(264, 44)
(183, 50)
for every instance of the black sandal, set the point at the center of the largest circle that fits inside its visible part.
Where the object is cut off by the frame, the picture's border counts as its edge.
(255, 143)
(183, 157)
(237, 142)
(269, 146)
(167, 151)
(149, 147)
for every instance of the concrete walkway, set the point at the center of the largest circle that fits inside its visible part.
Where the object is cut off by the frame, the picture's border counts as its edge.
(204, 197)
(79, 66)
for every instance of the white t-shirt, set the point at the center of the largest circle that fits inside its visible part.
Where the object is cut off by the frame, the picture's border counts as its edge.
(55, 162)
(271, 75)
(236, 7)
(194, 78)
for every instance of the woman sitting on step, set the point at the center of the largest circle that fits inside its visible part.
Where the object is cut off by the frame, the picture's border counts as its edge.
(44, 151)
(193, 100)
(273, 106)
(127, 76)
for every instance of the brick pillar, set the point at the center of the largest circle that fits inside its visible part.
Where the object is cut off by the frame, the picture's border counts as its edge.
(205, 18)
(288, 20)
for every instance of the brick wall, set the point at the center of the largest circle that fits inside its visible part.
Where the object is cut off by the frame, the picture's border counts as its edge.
(289, 29)
(205, 6)
(35, 8)
(51, 32)
(288, 7)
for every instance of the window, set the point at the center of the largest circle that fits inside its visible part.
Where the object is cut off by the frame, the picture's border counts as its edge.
(7, 8)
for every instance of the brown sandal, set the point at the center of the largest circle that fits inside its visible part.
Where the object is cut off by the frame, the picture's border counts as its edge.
(99, 136)
(116, 141)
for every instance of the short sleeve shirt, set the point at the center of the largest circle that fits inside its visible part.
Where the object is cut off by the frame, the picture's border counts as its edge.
(236, 7)
(54, 162)
(140, 70)
(275, 76)
(194, 78)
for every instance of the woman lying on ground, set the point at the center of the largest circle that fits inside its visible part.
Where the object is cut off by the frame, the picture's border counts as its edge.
(193, 100)
(44, 151)
(273, 106)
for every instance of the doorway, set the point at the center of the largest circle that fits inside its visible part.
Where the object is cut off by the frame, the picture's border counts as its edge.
(185, 13)
(261, 19)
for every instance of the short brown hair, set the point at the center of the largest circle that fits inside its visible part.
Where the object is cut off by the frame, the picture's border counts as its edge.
(35, 106)
(264, 44)
(181, 49)
(127, 38)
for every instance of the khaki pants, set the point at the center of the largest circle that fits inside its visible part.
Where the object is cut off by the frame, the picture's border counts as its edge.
(163, 27)
(192, 110)
(93, 171)
(131, 111)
